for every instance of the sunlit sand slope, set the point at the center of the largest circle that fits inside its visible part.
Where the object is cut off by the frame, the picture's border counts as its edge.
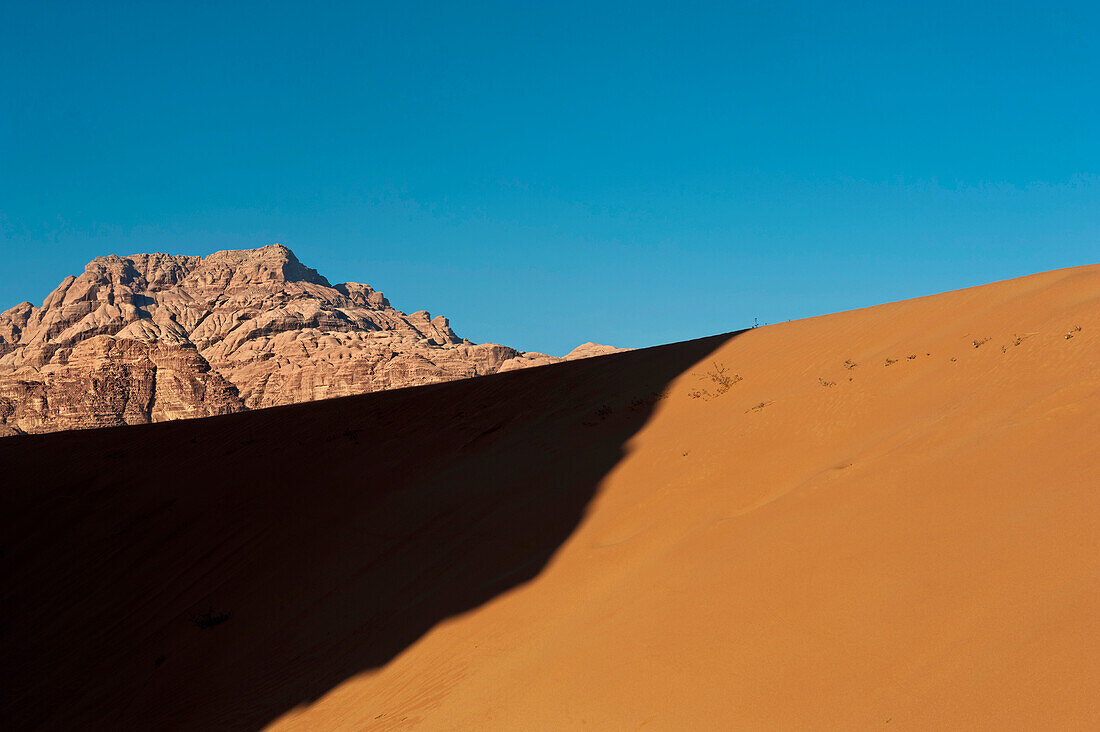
(886, 517)
(892, 518)
(216, 573)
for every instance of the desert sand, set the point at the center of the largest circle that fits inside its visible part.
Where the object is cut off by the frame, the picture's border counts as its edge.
(883, 517)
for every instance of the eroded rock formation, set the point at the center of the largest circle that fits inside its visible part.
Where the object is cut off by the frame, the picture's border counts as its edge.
(152, 337)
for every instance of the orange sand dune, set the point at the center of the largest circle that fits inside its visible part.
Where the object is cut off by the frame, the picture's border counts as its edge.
(890, 518)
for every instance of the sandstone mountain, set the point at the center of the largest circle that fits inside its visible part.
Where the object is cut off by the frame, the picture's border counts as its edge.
(154, 337)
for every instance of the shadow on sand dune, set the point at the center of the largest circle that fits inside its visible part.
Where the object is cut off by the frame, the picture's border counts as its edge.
(217, 573)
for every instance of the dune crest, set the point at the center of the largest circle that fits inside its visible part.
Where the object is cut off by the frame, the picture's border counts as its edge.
(891, 517)
(887, 516)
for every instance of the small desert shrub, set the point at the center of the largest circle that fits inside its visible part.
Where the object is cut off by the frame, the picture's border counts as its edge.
(850, 364)
(722, 381)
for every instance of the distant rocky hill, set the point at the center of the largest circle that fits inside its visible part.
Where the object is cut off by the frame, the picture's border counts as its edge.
(153, 337)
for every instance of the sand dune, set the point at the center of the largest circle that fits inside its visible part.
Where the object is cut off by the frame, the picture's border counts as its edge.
(885, 517)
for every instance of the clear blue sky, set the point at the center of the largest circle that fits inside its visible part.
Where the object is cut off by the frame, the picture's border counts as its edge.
(547, 173)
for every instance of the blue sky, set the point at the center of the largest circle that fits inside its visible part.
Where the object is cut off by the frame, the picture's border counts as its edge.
(550, 173)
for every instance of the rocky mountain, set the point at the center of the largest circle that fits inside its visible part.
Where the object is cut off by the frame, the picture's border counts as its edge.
(153, 337)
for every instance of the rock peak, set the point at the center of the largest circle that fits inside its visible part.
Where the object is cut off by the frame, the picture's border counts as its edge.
(151, 337)
(273, 263)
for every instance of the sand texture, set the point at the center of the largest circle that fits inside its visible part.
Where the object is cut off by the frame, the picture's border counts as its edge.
(881, 518)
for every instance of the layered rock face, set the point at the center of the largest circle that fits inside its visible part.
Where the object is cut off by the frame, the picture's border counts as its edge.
(152, 337)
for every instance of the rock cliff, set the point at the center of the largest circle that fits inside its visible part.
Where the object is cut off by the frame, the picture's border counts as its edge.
(152, 337)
